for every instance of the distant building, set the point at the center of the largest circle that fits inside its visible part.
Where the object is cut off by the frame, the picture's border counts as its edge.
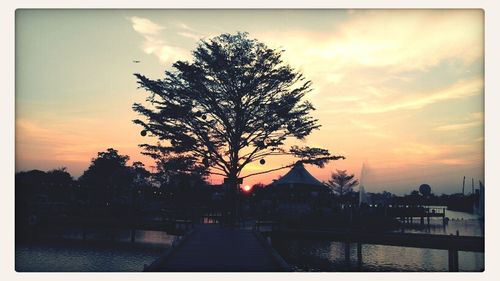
(299, 182)
(297, 193)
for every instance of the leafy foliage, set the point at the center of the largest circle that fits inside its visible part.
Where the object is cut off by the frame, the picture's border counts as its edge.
(109, 177)
(173, 170)
(425, 189)
(108, 167)
(341, 183)
(235, 103)
(313, 155)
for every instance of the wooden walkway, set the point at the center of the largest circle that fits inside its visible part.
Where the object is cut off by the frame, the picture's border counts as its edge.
(212, 248)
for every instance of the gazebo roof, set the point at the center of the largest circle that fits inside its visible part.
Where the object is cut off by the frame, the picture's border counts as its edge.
(298, 175)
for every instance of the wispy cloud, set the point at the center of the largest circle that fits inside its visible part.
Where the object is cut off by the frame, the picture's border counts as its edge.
(473, 120)
(401, 40)
(154, 42)
(189, 35)
(364, 125)
(461, 89)
(372, 59)
(145, 26)
(419, 153)
(456, 127)
(371, 103)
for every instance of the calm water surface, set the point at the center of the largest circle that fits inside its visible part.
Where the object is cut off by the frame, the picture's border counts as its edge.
(304, 255)
(111, 250)
(108, 250)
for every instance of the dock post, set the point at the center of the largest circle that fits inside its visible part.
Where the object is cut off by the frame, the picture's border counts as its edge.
(347, 252)
(360, 256)
(428, 219)
(452, 260)
(132, 235)
(422, 221)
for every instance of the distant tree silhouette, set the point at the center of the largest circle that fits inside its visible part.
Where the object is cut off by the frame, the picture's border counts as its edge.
(415, 193)
(59, 176)
(140, 171)
(179, 175)
(171, 167)
(54, 185)
(142, 180)
(235, 103)
(258, 186)
(425, 189)
(60, 184)
(108, 177)
(341, 183)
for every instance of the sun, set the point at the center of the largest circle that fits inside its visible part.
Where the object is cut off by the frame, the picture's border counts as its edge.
(247, 188)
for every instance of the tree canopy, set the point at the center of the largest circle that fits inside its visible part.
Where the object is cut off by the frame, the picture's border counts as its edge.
(425, 189)
(107, 168)
(236, 102)
(341, 183)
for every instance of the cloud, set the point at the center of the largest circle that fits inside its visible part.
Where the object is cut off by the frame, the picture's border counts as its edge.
(189, 35)
(411, 149)
(55, 143)
(454, 161)
(376, 61)
(166, 53)
(154, 42)
(475, 119)
(418, 153)
(461, 89)
(402, 40)
(372, 101)
(456, 127)
(145, 26)
(364, 125)
(409, 39)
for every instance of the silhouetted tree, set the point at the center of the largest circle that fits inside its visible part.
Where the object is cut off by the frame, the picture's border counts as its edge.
(341, 183)
(108, 176)
(414, 193)
(172, 167)
(425, 190)
(179, 176)
(235, 103)
(258, 186)
(60, 177)
(60, 184)
(54, 185)
(142, 181)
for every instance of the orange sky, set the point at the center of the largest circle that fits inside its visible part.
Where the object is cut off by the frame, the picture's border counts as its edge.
(400, 90)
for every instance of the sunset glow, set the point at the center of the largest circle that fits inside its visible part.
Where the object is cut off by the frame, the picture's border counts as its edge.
(247, 188)
(399, 90)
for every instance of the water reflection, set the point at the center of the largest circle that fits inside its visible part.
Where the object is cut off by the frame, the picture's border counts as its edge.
(103, 250)
(308, 255)
(111, 250)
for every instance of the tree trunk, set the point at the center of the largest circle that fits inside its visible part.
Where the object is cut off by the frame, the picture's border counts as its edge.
(232, 202)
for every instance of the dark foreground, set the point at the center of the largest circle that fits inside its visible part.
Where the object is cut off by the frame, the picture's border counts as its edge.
(213, 248)
(111, 250)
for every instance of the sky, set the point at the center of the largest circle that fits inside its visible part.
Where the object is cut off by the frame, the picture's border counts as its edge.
(401, 91)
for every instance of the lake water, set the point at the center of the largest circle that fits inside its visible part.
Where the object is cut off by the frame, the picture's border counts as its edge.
(109, 250)
(304, 255)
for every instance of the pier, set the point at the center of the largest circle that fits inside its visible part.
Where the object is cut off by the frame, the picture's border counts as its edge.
(213, 248)
(407, 214)
(205, 243)
(452, 243)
